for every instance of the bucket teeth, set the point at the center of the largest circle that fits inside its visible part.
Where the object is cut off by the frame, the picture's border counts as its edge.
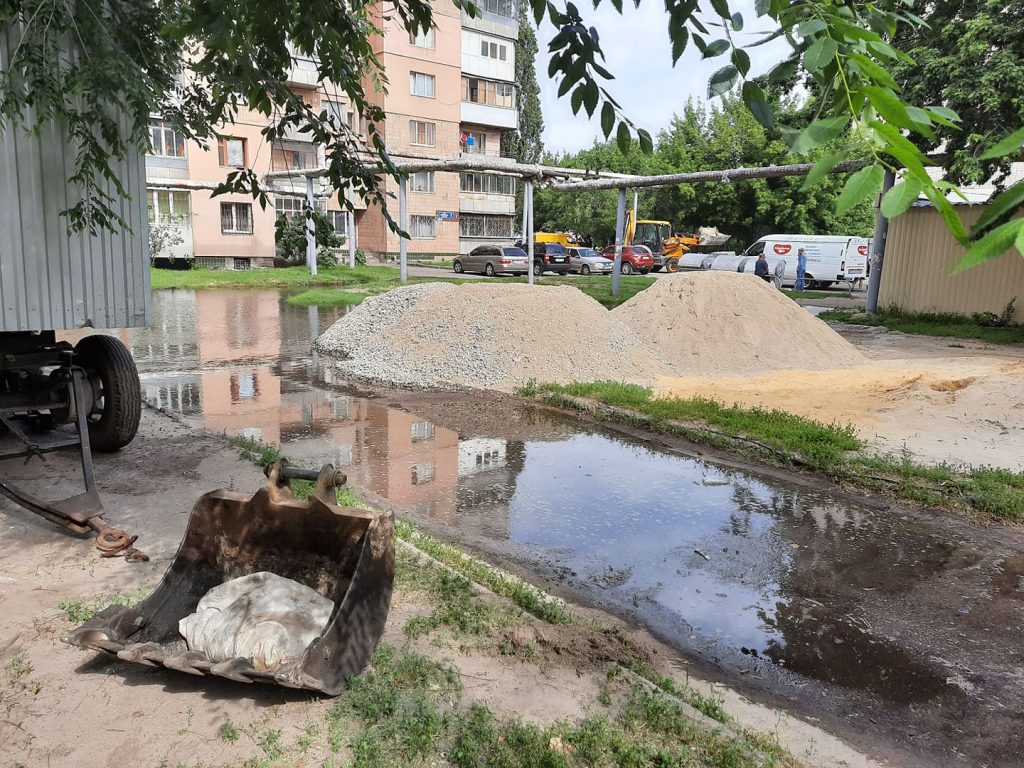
(143, 653)
(234, 669)
(192, 662)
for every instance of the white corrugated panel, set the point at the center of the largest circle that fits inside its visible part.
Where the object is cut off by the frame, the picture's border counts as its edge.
(50, 280)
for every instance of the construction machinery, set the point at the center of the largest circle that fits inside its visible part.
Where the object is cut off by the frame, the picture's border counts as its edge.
(658, 236)
(346, 555)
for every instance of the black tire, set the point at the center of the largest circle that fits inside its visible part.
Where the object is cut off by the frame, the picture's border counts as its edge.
(538, 269)
(585, 270)
(672, 265)
(489, 270)
(457, 266)
(655, 269)
(117, 408)
(626, 268)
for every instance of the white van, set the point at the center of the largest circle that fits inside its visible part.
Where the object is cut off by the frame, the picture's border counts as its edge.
(830, 258)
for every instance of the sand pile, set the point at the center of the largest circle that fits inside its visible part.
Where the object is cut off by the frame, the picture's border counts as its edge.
(714, 323)
(487, 336)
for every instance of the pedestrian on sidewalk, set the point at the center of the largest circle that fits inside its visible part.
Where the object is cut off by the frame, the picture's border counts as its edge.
(801, 268)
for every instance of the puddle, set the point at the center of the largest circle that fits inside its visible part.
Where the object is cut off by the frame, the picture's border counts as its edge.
(721, 561)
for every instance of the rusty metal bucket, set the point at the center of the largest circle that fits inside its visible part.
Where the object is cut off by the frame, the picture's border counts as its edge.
(347, 555)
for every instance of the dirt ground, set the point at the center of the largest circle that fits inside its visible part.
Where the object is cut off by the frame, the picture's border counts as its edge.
(60, 706)
(943, 400)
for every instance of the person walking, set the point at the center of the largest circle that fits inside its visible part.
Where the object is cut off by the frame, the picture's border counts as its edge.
(761, 268)
(801, 268)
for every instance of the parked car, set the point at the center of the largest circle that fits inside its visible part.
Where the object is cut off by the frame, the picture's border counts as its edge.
(635, 258)
(493, 260)
(588, 261)
(830, 258)
(550, 257)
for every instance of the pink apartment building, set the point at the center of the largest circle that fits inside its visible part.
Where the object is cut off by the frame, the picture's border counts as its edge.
(450, 91)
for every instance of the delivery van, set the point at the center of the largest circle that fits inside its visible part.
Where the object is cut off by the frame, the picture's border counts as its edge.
(830, 258)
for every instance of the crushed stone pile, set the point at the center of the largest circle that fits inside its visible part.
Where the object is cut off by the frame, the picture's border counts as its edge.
(487, 336)
(719, 323)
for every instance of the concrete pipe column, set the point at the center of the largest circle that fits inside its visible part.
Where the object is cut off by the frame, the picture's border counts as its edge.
(310, 228)
(528, 209)
(403, 224)
(351, 226)
(620, 226)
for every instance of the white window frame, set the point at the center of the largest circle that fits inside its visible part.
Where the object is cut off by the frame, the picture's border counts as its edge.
(235, 219)
(479, 143)
(429, 131)
(422, 39)
(178, 214)
(336, 217)
(422, 181)
(166, 131)
(419, 229)
(487, 183)
(420, 83)
(491, 49)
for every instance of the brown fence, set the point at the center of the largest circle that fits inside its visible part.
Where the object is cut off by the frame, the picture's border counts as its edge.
(920, 255)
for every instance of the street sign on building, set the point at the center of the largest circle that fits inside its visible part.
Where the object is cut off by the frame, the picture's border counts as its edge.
(448, 215)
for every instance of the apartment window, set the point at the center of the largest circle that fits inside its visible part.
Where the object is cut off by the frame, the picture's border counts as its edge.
(488, 183)
(422, 473)
(422, 227)
(165, 141)
(287, 207)
(492, 50)
(231, 152)
(479, 91)
(483, 225)
(169, 208)
(339, 220)
(503, 8)
(423, 181)
(334, 110)
(236, 218)
(292, 159)
(422, 39)
(422, 430)
(421, 85)
(474, 142)
(421, 134)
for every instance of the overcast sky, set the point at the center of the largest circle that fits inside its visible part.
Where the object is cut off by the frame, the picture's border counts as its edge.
(639, 55)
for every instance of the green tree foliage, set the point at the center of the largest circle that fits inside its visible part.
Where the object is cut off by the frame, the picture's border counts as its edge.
(290, 237)
(701, 138)
(524, 144)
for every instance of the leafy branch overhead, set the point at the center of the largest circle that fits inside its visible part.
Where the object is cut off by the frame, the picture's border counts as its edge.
(85, 64)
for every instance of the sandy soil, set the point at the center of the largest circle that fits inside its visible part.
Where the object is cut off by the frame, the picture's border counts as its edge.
(962, 404)
(64, 707)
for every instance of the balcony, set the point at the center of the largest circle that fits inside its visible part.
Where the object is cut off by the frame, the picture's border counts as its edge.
(487, 115)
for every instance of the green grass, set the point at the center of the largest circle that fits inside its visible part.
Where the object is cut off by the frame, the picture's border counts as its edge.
(80, 611)
(795, 294)
(784, 439)
(326, 297)
(437, 264)
(285, 277)
(933, 324)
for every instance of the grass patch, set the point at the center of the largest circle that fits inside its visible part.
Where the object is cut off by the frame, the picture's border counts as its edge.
(81, 611)
(326, 297)
(795, 294)
(531, 599)
(285, 277)
(986, 327)
(442, 264)
(784, 439)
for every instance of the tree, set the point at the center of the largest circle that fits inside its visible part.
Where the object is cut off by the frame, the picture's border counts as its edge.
(87, 64)
(290, 237)
(524, 144)
(162, 238)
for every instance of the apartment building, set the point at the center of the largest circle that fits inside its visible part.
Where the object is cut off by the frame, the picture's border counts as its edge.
(450, 92)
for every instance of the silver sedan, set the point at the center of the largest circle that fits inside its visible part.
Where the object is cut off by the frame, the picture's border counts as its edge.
(587, 261)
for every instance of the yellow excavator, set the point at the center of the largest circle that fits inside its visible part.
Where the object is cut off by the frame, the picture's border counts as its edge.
(657, 235)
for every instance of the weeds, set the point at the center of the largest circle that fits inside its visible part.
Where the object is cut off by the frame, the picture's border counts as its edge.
(987, 326)
(81, 611)
(18, 667)
(228, 732)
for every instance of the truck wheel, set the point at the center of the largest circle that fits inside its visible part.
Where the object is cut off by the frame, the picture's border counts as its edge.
(117, 407)
(672, 265)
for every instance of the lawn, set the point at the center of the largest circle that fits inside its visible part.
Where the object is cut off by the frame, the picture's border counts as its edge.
(795, 294)
(285, 277)
(785, 439)
(984, 327)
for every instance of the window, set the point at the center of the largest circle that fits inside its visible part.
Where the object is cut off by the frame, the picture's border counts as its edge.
(292, 158)
(422, 227)
(479, 91)
(422, 473)
(488, 183)
(231, 152)
(287, 207)
(339, 219)
(423, 181)
(334, 110)
(504, 8)
(483, 225)
(474, 142)
(421, 85)
(165, 141)
(422, 430)
(421, 134)
(236, 218)
(422, 39)
(493, 50)
(169, 208)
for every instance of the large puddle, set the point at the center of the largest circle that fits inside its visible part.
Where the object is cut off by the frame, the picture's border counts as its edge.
(766, 579)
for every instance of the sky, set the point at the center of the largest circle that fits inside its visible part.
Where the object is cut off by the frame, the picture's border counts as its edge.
(639, 55)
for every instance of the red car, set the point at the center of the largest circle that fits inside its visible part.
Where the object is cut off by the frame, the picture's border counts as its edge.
(635, 258)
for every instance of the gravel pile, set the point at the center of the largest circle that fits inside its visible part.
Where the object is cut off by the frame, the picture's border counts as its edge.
(720, 323)
(487, 336)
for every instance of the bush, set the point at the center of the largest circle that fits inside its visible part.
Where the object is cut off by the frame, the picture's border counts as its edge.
(290, 236)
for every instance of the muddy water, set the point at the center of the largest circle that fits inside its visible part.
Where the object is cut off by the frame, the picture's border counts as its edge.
(904, 633)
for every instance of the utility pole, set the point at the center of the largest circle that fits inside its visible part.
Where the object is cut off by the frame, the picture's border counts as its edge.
(620, 226)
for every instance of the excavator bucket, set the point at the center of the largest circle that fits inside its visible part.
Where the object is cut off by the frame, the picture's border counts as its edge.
(346, 555)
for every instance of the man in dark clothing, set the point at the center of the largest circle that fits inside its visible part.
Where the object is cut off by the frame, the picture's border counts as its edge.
(761, 268)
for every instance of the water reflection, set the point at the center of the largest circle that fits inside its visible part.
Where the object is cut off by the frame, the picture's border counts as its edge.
(725, 556)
